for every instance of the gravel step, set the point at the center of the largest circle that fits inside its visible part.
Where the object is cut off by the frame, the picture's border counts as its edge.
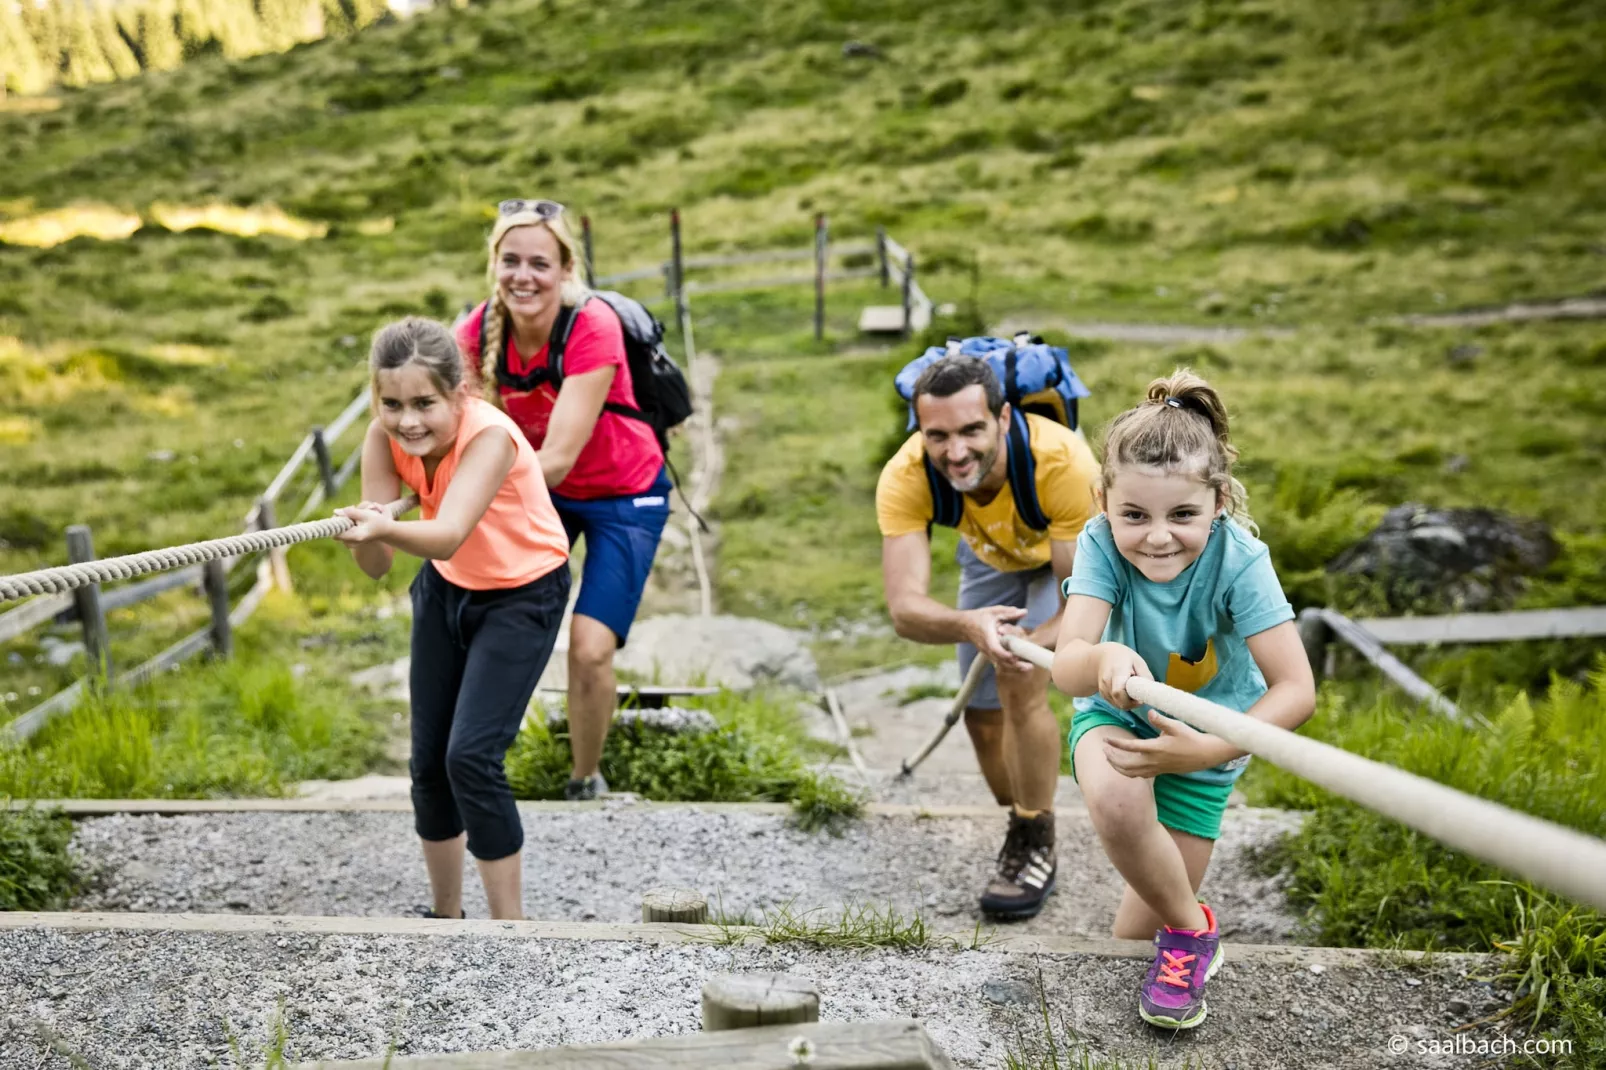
(593, 864)
(176, 998)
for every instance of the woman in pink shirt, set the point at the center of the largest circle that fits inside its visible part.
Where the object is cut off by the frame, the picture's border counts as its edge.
(487, 603)
(600, 458)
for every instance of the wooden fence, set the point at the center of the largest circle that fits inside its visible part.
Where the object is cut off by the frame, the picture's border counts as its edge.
(1319, 627)
(888, 261)
(89, 605)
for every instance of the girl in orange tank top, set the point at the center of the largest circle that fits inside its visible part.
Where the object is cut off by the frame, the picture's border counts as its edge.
(487, 602)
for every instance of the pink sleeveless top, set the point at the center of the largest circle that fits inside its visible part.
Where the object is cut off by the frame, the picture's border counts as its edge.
(520, 538)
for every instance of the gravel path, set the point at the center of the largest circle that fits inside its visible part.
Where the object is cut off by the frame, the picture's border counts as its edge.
(173, 1000)
(594, 864)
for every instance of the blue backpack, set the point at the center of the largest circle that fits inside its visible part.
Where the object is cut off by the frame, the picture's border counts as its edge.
(1037, 379)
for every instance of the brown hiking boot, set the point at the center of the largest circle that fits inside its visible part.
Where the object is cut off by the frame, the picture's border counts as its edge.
(1026, 868)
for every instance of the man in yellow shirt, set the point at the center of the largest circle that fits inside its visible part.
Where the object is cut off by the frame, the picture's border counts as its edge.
(1019, 488)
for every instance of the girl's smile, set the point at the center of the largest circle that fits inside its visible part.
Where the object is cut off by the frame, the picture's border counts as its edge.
(413, 411)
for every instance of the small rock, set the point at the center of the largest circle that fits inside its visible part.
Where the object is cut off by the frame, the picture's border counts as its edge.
(860, 50)
(1414, 982)
(1007, 992)
(1459, 1007)
(1318, 968)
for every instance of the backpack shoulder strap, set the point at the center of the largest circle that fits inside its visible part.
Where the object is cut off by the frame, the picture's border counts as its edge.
(1023, 473)
(562, 327)
(947, 504)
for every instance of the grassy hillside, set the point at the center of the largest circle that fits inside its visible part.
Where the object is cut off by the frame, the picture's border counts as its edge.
(1269, 161)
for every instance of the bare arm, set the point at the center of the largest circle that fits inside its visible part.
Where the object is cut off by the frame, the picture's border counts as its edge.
(484, 465)
(906, 579)
(1077, 651)
(1061, 558)
(574, 417)
(380, 483)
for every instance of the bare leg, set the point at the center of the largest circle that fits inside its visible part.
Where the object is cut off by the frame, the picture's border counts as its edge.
(443, 860)
(1122, 809)
(1134, 919)
(986, 728)
(592, 690)
(504, 887)
(1031, 739)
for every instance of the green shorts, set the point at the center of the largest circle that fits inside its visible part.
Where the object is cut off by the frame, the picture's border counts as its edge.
(1183, 804)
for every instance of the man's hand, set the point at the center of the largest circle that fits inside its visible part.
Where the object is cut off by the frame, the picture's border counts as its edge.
(986, 628)
(1177, 749)
(370, 520)
(1117, 665)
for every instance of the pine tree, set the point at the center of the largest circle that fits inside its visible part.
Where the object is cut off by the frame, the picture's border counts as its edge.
(21, 68)
(85, 61)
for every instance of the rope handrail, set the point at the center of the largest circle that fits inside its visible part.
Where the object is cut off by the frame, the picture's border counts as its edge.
(70, 577)
(1559, 858)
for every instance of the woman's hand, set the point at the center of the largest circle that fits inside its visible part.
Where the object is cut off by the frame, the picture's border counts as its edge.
(1117, 665)
(1177, 749)
(371, 523)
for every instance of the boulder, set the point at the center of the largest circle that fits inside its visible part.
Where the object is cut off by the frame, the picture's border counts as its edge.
(734, 652)
(1449, 559)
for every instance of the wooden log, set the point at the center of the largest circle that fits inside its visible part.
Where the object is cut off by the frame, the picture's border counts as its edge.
(741, 1000)
(81, 548)
(898, 1044)
(675, 906)
(1393, 668)
(216, 580)
(1576, 622)
(908, 295)
(677, 274)
(881, 256)
(32, 613)
(590, 252)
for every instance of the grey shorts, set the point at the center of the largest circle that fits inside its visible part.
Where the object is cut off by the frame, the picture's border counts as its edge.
(982, 585)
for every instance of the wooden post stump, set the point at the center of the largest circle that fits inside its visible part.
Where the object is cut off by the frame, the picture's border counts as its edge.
(738, 1001)
(682, 906)
(97, 644)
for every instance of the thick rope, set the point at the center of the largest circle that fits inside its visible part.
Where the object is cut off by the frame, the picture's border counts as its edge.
(65, 578)
(1561, 859)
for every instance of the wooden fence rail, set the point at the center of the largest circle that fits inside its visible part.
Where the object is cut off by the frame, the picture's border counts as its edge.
(89, 605)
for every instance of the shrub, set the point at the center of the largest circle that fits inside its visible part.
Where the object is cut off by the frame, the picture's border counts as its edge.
(36, 873)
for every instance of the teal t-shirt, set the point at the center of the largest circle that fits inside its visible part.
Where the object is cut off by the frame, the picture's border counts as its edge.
(1190, 631)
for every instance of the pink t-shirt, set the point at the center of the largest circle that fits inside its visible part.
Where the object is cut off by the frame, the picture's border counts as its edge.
(520, 538)
(622, 454)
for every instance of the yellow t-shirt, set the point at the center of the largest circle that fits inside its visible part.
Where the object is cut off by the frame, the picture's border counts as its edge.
(1066, 472)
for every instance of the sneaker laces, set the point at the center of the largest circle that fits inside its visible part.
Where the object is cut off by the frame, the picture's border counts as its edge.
(1016, 852)
(1174, 967)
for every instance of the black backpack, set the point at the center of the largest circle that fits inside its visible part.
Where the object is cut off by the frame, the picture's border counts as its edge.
(663, 399)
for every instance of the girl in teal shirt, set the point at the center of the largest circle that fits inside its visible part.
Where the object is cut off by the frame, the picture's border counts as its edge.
(1171, 584)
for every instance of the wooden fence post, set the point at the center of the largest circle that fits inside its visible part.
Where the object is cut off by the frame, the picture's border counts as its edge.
(326, 464)
(278, 559)
(677, 271)
(739, 1001)
(216, 581)
(81, 548)
(820, 239)
(881, 256)
(590, 254)
(908, 293)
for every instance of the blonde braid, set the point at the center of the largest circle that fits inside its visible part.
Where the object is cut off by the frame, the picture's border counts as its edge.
(491, 346)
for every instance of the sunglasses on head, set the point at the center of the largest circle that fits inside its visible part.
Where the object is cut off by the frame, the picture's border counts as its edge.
(544, 209)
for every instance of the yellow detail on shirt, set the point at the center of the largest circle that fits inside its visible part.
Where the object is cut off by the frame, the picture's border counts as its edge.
(1190, 676)
(1066, 472)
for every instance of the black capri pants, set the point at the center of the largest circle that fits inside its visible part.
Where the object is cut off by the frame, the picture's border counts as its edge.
(477, 656)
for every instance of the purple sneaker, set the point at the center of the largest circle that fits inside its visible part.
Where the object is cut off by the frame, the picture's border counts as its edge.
(1173, 992)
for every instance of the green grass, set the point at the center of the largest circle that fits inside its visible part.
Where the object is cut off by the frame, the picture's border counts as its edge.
(856, 927)
(1363, 880)
(36, 871)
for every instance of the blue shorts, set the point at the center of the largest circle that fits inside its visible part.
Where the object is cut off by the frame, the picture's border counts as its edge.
(621, 536)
